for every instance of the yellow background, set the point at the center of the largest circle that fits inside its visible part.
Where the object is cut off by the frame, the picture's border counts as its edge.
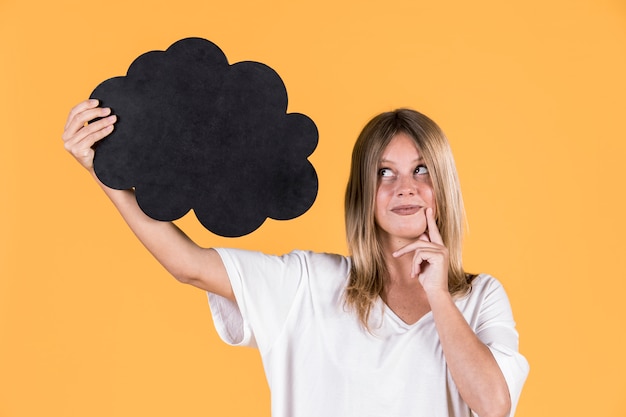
(531, 94)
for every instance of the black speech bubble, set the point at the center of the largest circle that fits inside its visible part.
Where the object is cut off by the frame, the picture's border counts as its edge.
(194, 132)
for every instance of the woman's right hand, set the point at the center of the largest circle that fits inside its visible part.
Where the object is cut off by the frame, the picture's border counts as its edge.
(80, 135)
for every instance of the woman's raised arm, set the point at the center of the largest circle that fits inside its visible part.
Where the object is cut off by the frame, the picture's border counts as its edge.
(183, 258)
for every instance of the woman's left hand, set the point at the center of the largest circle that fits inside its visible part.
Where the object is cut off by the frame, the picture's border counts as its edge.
(430, 257)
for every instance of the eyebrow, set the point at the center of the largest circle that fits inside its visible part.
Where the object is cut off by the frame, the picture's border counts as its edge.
(383, 160)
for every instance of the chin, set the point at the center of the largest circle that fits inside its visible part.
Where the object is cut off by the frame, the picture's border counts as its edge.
(411, 237)
(404, 235)
(410, 232)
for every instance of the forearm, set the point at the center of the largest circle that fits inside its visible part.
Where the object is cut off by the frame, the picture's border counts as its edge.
(164, 240)
(472, 365)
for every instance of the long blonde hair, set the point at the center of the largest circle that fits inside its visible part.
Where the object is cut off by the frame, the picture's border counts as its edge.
(368, 270)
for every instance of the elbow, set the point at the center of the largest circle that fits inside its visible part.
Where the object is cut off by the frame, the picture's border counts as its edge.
(195, 280)
(184, 278)
(497, 406)
(182, 275)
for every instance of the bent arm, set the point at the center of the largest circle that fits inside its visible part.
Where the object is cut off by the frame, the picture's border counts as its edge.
(473, 367)
(183, 258)
(475, 371)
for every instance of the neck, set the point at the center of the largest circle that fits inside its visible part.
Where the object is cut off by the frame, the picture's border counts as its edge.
(398, 269)
(390, 244)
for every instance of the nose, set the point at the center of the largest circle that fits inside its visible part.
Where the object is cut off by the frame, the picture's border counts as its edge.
(406, 186)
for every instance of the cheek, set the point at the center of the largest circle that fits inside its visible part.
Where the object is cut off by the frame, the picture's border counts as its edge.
(381, 202)
(428, 195)
(383, 193)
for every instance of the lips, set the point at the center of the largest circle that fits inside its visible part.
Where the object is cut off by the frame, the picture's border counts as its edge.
(406, 210)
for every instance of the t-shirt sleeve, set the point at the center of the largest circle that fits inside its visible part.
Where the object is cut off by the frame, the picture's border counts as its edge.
(496, 329)
(265, 287)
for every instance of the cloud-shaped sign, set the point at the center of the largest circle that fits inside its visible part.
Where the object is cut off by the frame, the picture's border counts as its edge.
(194, 132)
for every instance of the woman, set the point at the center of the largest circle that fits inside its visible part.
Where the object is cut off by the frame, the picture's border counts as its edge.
(396, 329)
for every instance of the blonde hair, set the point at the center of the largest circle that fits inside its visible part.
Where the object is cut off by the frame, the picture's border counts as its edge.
(368, 269)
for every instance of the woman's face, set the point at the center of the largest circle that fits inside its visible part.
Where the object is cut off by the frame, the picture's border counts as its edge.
(404, 192)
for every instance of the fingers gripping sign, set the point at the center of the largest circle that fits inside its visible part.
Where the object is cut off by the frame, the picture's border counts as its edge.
(80, 135)
(430, 257)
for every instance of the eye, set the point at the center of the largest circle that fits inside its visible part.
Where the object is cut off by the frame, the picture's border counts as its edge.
(385, 173)
(421, 170)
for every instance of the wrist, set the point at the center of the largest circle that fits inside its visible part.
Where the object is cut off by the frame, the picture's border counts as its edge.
(438, 296)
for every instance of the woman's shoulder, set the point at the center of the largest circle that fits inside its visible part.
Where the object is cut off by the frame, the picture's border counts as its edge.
(484, 286)
(484, 280)
(310, 260)
(323, 262)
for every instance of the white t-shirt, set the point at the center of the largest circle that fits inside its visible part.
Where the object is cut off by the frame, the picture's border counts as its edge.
(320, 362)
